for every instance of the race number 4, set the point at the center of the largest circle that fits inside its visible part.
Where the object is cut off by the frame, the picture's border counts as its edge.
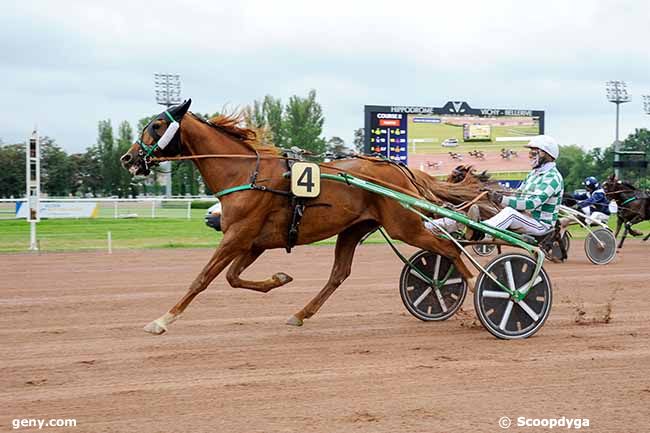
(305, 179)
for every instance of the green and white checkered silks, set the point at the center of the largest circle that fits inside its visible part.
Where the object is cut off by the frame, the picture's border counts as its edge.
(541, 194)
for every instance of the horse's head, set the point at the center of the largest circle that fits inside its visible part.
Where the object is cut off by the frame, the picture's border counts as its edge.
(462, 172)
(612, 185)
(161, 137)
(458, 173)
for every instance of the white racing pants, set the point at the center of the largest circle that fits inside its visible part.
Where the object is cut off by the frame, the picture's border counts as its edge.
(508, 218)
(594, 216)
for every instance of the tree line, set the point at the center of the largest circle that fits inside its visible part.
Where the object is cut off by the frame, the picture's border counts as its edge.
(97, 172)
(298, 122)
(576, 164)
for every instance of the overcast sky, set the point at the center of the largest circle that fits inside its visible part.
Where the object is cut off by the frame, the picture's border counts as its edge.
(65, 65)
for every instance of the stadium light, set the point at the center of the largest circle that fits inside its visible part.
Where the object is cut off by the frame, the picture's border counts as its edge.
(646, 104)
(168, 89)
(618, 94)
(168, 93)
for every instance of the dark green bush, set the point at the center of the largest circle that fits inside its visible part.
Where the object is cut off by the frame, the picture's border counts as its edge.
(200, 204)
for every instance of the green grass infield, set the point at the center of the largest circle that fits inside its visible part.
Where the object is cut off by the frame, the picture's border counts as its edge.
(138, 233)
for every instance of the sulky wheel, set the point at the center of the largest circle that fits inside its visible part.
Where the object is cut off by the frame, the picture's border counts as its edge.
(484, 250)
(503, 316)
(427, 303)
(600, 246)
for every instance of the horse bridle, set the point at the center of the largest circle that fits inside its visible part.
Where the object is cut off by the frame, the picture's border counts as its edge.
(170, 136)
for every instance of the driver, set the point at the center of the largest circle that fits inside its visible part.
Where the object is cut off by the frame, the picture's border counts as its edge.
(533, 208)
(594, 202)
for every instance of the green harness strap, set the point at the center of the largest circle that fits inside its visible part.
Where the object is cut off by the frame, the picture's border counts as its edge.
(234, 189)
(631, 199)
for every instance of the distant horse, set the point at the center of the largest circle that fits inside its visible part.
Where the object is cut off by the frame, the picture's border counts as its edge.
(633, 206)
(257, 217)
(477, 154)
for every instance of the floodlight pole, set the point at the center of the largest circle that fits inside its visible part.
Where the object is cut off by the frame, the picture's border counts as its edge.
(646, 104)
(618, 94)
(168, 93)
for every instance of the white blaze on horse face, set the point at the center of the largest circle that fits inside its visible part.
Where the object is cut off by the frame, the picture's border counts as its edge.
(168, 135)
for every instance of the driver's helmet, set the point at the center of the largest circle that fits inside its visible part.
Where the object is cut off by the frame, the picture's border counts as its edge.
(591, 183)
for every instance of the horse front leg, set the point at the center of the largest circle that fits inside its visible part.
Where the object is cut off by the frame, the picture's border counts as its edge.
(244, 261)
(346, 244)
(620, 244)
(224, 254)
(619, 223)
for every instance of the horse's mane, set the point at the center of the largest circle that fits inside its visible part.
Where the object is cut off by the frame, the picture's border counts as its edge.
(230, 124)
(628, 185)
(455, 193)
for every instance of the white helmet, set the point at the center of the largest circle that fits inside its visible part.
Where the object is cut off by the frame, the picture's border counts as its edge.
(545, 143)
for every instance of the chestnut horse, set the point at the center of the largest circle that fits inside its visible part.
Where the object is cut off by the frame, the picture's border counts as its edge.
(257, 219)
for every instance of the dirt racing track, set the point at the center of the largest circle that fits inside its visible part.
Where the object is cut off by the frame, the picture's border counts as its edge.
(73, 347)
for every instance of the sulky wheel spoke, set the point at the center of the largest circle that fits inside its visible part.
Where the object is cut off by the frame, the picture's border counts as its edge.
(536, 282)
(524, 306)
(436, 269)
(511, 279)
(495, 294)
(422, 296)
(453, 281)
(418, 276)
(506, 315)
(441, 301)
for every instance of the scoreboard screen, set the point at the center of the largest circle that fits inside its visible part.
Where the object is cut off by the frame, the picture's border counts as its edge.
(476, 132)
(388, 136)
(396, 132)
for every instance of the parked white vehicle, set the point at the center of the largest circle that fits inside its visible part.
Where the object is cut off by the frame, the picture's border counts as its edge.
(450, 142)
(213, 216)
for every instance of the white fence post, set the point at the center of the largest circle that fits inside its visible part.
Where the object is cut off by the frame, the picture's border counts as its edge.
(153, 208)
(115, 209)
(189, 209)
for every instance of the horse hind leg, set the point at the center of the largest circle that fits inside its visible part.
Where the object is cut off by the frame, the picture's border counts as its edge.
(244, 261)
(346, 244)
(634, 232)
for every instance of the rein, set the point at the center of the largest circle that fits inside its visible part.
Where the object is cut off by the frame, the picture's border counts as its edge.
(253, 186)
(471, 202)
(258, 156)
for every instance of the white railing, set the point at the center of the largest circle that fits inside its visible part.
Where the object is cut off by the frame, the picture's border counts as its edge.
(144, 207)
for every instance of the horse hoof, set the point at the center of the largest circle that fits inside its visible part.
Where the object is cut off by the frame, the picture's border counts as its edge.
(294, 321)
(154, 328)
(282, 278)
